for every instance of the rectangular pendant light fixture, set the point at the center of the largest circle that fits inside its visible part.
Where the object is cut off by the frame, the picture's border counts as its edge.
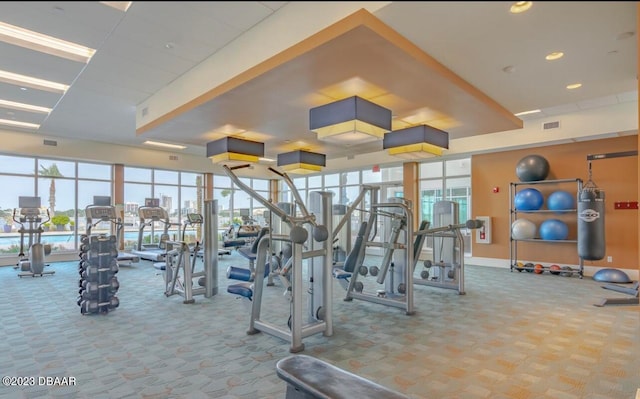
(45, 44)
(234, 149)
(352, 120)
(301, 162)
(416, 142)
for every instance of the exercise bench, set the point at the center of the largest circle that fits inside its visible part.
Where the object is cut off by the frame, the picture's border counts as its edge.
(311, 378)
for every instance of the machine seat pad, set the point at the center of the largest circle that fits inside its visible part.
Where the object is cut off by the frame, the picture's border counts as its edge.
(160, 265)
(234, 243)
(341, 274)
(319, 379)
(246, 252)
(242, 289)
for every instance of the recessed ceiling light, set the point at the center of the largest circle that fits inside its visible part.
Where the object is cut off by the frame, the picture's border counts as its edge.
(165, 145)
(533, 111)
(509, 69)
(169, 45)
(45, 44)
(19, 124)
(574, 86)
(23, 107)
(34, 83)
(520, 6)
(554, 56)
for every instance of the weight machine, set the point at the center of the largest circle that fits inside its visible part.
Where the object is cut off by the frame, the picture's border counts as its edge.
(446, 268)
(30, 220)
(180, 262)
(102, 211)
(342, 229)
(448, 274)
(395, 274)
(319, 255)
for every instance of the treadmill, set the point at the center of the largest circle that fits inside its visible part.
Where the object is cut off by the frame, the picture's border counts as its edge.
(103, 211)
(148, 214)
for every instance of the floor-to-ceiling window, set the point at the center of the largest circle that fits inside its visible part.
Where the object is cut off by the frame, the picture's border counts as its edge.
(178, 193)
(63, 188)
(446, 180)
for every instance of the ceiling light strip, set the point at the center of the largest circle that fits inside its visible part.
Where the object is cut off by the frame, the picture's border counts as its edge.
(165, 145)
(533, 111)
(31, 82)
(45, 44)
(24, 107)
(19, 124)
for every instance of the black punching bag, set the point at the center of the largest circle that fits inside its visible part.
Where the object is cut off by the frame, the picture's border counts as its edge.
(591, 242)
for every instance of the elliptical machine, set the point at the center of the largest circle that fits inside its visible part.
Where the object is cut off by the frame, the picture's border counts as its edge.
(31, 222)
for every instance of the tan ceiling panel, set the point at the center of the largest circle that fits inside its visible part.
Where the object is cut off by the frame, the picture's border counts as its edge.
(356, 56)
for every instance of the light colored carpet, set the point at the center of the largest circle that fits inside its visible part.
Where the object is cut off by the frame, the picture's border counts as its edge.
(513, 335)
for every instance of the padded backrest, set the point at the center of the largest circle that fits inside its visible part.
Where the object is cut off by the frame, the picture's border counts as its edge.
(352, 258)
(254, 247)
(419, 241)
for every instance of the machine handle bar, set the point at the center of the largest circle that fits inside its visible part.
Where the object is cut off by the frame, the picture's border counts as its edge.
(239, 166)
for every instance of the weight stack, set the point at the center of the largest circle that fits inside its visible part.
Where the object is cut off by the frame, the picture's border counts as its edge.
(97, 268)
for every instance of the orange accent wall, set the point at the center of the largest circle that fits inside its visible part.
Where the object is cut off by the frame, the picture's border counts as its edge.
(618, 177)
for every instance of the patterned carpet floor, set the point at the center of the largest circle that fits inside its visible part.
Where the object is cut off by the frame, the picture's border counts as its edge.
(513, 335)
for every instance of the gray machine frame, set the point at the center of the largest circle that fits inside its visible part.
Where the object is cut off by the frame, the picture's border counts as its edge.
(319, 317)
(448, 249)
(396, 269)
(180, 261)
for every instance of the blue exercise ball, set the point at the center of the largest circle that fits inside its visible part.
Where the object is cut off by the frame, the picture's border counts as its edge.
(528, 199)
(523, 229)
(561, 201)
(532, 168)
(554, 229)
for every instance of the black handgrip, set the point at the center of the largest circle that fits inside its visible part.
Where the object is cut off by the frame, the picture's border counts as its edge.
(275, 171)
(240, 166)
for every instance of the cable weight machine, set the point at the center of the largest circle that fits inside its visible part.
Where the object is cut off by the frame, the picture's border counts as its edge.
(319, 310)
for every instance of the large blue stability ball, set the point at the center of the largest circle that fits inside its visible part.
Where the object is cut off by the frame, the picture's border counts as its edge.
(523, 229)
(561, 201)
(528, 199)
(554, 229)
(532, 168)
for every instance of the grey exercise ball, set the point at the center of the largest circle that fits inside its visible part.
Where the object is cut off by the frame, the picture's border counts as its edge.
(532, 168)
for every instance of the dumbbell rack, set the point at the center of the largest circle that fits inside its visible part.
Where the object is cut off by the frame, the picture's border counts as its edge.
(97, 268)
